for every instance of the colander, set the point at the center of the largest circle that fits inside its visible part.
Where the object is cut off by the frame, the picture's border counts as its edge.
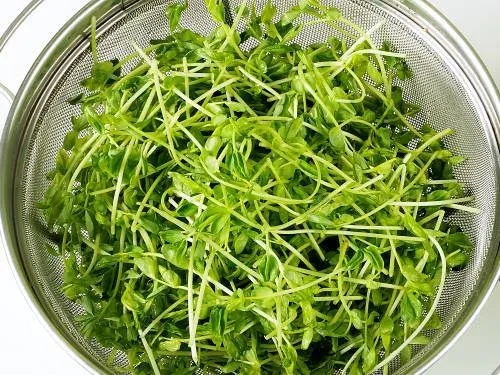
(450, 84)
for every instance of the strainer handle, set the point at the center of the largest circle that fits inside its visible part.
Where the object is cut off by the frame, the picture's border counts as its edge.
(5, 91)
(7, 35)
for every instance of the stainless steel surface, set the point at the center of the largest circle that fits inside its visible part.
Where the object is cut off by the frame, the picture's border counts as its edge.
(449, 83)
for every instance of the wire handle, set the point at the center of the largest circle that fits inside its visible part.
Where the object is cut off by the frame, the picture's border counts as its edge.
(5, 91)
(7, 35)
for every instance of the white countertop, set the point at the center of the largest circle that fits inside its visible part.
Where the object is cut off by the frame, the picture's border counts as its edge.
(26, 348)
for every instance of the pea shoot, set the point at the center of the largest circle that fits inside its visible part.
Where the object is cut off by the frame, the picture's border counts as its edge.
(240, 203)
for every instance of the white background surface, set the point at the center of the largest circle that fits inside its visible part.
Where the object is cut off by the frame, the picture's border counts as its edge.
(27, 348)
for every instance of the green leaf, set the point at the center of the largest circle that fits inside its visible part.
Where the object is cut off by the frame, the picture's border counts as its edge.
(269, 12)
(356, 318)
(217, 10)
(411, 274)
(307, 338)
(291, 15)
(458, 241)
(176, 255)
(333, 14)
(264, 295)
(170, 277)
(218, 319)
(236, 164)
(187, 210)
(372, 253)
(212, 145)
(70, 140)
(269, 268)
(369, 358)
(405, 355)
(319, 219)
(149, 224)
(132, 300)
(355, 261)
(170, 345)
(89, 224)
(92, 118)
(411, 308)
(220, 224)
(189, 186)
(337, 139)
(386, 325)
(212, 163)
(148, 266)
(308, 314)
(374, 73)
(236, 107)
(174, 13)
(77, 99)
(457, 260)
(354, 369)
(51, 250)
(292, 34)
(62, 161)
(434, 322)
(240, 242)
(172, 236)
(289, 359)
(420, 340)
(455, 160)
(79, 123)
(102, 73)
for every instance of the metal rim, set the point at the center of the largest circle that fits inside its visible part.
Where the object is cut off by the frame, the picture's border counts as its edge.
(58, 50)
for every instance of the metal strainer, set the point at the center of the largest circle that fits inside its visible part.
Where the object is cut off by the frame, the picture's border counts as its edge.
(450, 84)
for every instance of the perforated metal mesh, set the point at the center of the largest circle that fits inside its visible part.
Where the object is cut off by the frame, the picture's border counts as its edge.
(437, 86)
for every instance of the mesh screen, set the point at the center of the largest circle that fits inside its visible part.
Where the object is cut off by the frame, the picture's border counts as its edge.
(437, 86)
